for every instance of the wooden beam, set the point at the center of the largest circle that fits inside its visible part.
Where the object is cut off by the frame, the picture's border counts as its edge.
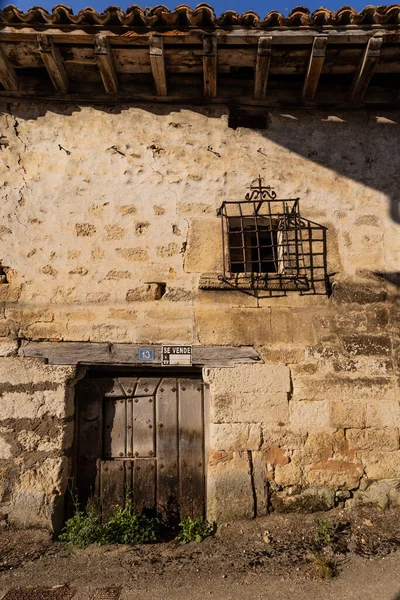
(366, 69)
(157, 62)
(246, 37)
(210, 66)
(315, 65)
(8, 76)
(106, 64)
(262, 66)
(73, 353)
(53, 62)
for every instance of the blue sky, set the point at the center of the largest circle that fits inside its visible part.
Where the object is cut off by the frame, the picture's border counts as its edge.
(262, 8)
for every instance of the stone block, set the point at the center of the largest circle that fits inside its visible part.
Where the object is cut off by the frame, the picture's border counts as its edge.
(308, 501)
(377, 317)
(229, 487)
(382, 494)
(249, 393)
(235, 436)
(204, 246)
(147, 292)
(285, 356)
(343, 388)
(318, 447)
(240, 326)
(347, 414)
(373, 439)
(287, 475)
(236, 326)
(309, 414)
(349, 320)
(385, 414)
(289, 437)
(335, 474)
(29, 371)
(16, 405)
(346, 292)
(8, 347)
(5, 449)
(357, 345)
(380, 465)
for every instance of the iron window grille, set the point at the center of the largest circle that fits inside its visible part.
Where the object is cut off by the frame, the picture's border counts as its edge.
(268, 245)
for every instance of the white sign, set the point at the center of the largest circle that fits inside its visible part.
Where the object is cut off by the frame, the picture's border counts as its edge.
(176, 355)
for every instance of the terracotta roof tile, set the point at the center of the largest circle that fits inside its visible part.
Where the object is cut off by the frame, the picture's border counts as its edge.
(202, 15)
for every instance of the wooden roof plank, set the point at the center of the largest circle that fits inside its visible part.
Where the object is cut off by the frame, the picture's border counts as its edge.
(157, 61)
(8, 76)
(106, 64)
(314, 70)
(366, 69)
(210, 66)
(53, 62)
(262, 66)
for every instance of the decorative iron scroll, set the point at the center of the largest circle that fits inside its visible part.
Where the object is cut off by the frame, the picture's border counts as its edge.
(260, 192)
(268, 246)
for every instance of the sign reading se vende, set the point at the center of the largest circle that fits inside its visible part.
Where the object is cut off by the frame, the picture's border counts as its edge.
(176, 355)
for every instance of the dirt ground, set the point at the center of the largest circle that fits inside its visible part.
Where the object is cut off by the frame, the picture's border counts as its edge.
(275, 557)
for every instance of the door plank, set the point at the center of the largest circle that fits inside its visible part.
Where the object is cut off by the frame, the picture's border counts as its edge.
(89, 440)
(128, 384)
(146, 386)
(112, 487)
(191, 452)
(144, 484)
(114, 428)
(143, 427)
(167, 449)
(113, 388)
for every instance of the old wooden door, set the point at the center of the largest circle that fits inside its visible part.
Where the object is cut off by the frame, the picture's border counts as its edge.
(142, 437)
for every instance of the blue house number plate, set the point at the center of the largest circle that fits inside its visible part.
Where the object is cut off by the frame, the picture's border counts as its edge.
(146, 354)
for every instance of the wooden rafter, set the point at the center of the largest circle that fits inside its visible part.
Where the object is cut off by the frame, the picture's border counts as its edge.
(106, 64)
(314, 69)
(366, 69)
(210, 66)
(53, 62)
(262, 66)
(157, 62)
(8, 76)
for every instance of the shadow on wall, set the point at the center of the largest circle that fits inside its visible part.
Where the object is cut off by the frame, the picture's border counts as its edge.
(371, 159)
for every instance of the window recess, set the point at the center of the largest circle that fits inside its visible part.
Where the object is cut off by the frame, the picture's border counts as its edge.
(267, 245)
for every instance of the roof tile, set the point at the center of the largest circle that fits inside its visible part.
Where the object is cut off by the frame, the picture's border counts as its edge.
(202, 15)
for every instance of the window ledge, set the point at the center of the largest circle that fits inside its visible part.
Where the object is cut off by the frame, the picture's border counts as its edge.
(244, 281)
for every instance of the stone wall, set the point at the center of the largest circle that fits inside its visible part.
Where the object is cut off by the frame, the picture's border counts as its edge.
(36, 437)
(108, 221)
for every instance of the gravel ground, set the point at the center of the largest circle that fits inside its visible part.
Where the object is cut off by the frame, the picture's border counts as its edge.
(273, 557)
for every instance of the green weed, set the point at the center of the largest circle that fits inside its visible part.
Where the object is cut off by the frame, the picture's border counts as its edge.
(127, 527)
(325, 531)
(194, 530)
(82, 529)
(123, 527)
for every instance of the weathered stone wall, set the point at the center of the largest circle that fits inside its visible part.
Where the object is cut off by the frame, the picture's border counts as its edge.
(36, 437)
(109, 220)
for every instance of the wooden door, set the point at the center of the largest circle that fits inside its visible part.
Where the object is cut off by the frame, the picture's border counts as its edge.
(142, 437)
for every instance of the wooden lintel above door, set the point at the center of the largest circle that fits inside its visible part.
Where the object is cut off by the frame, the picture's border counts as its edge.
(96, 353)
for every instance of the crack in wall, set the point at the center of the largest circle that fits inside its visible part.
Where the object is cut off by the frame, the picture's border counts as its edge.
(253, 486)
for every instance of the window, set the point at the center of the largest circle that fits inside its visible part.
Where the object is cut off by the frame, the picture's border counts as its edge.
(268, 245)
(254, 246)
